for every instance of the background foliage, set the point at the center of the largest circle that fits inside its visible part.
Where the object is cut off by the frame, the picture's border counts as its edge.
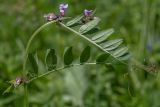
(136, 21)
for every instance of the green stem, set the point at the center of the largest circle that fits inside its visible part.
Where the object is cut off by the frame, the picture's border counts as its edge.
(31, 39)
(145, 29)
(26, 104)
(62, 68)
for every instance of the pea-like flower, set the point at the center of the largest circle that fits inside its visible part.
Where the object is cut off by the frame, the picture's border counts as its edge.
(88, 12)
(88, 16)
(50, 16)
(18, 81)
(62, 9)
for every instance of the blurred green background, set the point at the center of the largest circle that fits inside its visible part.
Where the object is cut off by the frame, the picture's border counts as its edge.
(136, 21)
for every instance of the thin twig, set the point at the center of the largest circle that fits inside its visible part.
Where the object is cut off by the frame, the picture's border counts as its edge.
(30, 41)
(62, 68)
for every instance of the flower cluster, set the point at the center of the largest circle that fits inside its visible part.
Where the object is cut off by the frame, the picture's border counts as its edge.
(62, 10)
(52, 16)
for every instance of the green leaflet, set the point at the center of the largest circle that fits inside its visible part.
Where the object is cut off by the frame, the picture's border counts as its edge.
(111, 43)
(68, 56)
(126, 56)
(74, 21)
(93, 31)
(34, 66)
(8, 89)
(102, 58)
(85, 55)
(120, 52)
(11, 81)
(114, 46)
(51, 59)
(90, 25)
(103, 35)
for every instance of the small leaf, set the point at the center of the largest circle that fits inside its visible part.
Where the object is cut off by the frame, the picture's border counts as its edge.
(102, 58)
(103, 35)
(68, 56)
(111, 43)
(90, 25)
(114, 46)
(51, 59)
(94, 11)
(74, 21)
(120, 52)
(9, 89)
(85, 55)
(124, 57)
(92, 31)
(11, 81)
(33, 64)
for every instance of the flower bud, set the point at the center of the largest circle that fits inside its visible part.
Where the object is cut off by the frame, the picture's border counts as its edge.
(62, 9)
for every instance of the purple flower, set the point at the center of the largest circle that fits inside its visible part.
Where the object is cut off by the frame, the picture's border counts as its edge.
(50, 17)
(62, 9)
(88, 12)
(18, 81)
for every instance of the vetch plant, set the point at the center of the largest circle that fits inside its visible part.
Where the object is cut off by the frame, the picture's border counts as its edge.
(86, 23)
